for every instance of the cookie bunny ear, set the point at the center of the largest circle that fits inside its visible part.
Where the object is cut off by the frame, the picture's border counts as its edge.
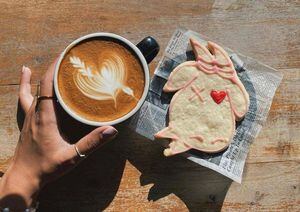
(181, 76)
(219, 53)
(200, 51)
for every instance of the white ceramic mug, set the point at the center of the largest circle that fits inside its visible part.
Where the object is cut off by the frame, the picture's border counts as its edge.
(145, 51)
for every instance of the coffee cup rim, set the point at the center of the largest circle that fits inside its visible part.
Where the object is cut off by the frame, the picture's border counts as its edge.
(141, 59)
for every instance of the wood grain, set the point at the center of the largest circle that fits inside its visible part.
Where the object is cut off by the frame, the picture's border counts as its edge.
(130, 173)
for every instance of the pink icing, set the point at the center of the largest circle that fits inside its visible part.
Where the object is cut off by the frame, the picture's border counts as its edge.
(167, 133)
(168, 86)
(182, 150)
(197, 137)
(197, 92)
(219, 140)
(209, 67)
(233, 79)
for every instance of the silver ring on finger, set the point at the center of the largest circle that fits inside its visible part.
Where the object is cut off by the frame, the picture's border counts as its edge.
(78, 152)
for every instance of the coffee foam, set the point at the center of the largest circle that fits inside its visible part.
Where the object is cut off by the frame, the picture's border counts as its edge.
(101, 80)
(104, 83)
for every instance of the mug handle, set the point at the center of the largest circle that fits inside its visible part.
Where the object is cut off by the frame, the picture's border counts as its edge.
(149, 48)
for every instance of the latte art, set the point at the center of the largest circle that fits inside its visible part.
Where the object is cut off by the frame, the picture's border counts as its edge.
(104, 83)
(101, 80)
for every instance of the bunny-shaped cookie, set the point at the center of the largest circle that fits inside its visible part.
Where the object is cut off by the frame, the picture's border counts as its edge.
(209, 99)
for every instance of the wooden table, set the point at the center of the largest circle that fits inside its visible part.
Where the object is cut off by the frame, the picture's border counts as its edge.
(130, 173)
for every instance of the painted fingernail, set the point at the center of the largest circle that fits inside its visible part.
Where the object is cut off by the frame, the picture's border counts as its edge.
(109, 133)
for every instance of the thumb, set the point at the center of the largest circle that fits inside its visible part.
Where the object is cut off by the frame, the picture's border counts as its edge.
(95, 139)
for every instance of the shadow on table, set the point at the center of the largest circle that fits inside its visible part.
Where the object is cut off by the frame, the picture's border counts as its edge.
(14, 200)
(92, 185)
(198, 187)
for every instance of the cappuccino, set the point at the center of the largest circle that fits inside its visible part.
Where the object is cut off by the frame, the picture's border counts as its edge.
(101, 79)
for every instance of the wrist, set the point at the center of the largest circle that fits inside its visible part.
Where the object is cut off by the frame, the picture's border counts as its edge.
(18, 185)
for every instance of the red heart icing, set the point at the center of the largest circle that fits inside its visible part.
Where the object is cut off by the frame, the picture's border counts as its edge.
(218, 96)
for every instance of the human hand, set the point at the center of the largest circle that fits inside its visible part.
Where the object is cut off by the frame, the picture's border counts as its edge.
(42, 154)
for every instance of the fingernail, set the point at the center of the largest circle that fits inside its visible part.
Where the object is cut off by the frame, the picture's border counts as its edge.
(24, 68)
(109, 133)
